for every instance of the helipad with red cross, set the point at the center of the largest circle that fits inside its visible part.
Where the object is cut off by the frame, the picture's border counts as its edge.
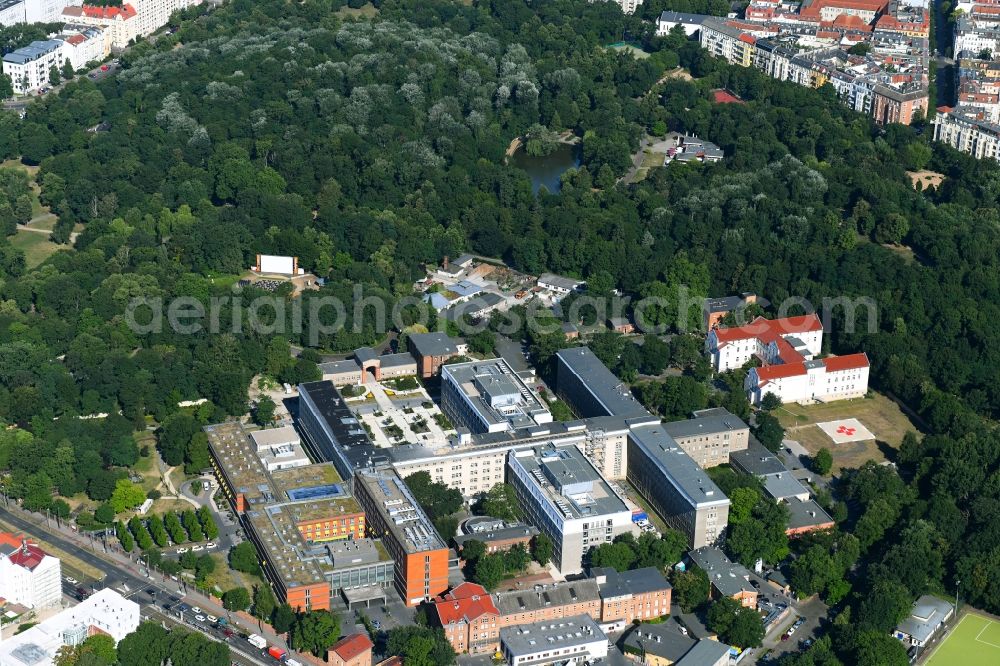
(842, 431)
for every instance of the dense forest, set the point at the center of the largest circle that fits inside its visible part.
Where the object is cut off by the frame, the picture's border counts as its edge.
(368, 148)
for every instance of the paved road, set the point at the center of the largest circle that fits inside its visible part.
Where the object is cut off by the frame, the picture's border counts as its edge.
(152, 591)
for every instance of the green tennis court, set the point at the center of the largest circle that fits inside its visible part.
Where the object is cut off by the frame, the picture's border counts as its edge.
(974, 641)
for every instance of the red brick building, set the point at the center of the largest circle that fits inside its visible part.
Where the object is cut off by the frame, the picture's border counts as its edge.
(353, 650)
(470, 619)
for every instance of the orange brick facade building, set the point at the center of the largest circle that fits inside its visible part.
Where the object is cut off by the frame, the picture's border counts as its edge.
(472, 619)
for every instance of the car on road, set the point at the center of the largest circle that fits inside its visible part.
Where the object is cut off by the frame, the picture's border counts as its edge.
(92, 75)
(228, 633)
(212, 618)
(195, 549)
(104, 68)
(195, 609)
(791, 630)
(180, 551)
(72, 581)
(210, 546)
(151, 591)
(199, 618)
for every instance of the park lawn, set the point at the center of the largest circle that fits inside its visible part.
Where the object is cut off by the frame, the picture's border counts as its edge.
(366, 11)
(974, 641)
(36, 247)
(224, 578)
(878, 413)
(147, 466)
(651, 159)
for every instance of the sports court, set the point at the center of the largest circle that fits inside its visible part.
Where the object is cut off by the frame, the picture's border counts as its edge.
(843, 431)
(974, 641)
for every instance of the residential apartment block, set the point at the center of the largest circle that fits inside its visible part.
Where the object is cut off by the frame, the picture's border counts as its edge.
(32, 11)
(28, 67)
(84, 44)
(564, 496)
(809, 44)
(122, 23)
(28, 575)
(967, 133)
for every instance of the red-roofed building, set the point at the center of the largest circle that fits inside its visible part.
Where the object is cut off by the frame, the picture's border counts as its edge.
(122, 22)
(353, 650)
(28, 575)
(786, 350)
(469, 618)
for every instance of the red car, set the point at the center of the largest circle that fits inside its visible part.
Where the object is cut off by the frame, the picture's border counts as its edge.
(784, 637)
(104, 68)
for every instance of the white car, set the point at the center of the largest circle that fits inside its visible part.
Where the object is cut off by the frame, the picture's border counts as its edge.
(180, 551)
(210, 546)
(195, 549)
(72, 581)
(200, 618)
(212, 618)
(196, 610)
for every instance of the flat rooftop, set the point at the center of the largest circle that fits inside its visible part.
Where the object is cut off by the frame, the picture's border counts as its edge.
(340, 424)
(237, 455)
(612, 393)
(542, 596)
(678, 467)
(757, 460)
(569, 632)
(406, 520)
(496, 393)
(806, 514)
(569, 481)
(705, 425)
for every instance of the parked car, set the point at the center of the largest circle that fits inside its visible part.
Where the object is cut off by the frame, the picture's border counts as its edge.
(210, 546)
(195, 549)
(72, 581)
(212, 618)
(784, 637)
(181, 551)
(195, 609)
(200, 618)
(104, 68)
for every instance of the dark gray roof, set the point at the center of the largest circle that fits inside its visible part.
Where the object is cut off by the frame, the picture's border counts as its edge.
(336, 367)
(543, 596)
(364, 354)
(706, 425)
(728, 577)
(662, 640)
(432, 344)
(612, 393)
(756, 460)
(681, 17)
(676, 466)
(637, 581)
(395, 360)
(806, 514)
(513, 531)
(783, 485)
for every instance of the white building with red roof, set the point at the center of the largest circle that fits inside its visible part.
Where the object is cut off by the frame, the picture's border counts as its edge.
(28, 575)
(787, 350)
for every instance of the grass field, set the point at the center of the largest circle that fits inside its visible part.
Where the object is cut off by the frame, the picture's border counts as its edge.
(879, 414)
(36, 247)
(974, 641)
